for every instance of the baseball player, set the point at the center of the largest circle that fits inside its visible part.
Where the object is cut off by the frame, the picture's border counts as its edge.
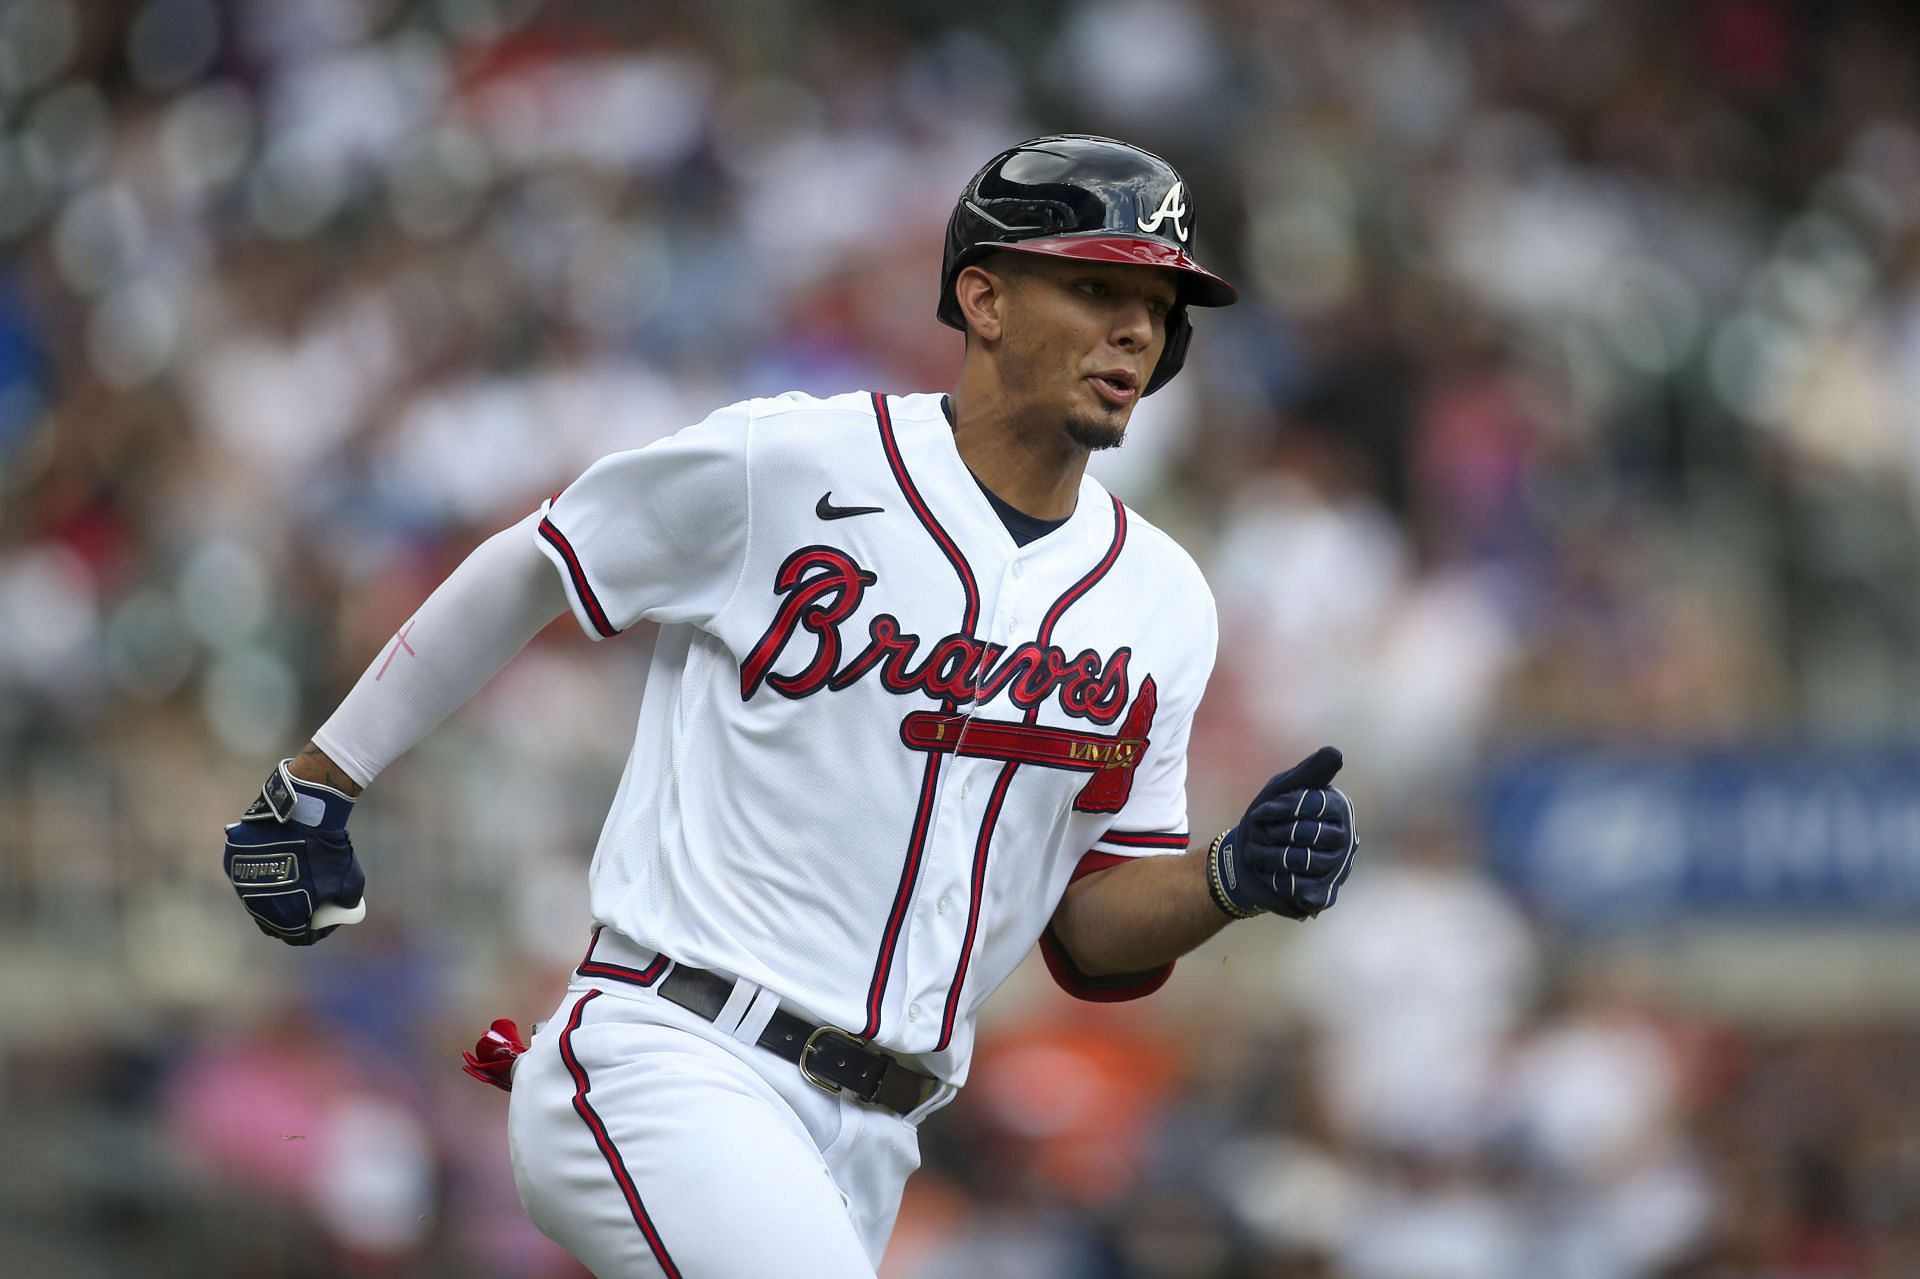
(919, 699)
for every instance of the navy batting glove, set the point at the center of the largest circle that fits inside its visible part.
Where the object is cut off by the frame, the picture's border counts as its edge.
(289, 853)
(1293, 848)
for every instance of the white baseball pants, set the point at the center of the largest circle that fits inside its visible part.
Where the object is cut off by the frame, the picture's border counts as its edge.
(650, 1142)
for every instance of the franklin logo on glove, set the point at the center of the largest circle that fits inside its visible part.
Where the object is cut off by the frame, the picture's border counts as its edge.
(290, 860)
(255, 871)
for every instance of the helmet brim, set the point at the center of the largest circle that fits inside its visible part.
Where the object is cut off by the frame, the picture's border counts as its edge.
(1198, 286)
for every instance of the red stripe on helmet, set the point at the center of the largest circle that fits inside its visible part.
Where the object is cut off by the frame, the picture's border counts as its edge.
(1207, 289)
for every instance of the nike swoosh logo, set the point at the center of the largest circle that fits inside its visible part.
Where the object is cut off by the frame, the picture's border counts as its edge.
(826, 510)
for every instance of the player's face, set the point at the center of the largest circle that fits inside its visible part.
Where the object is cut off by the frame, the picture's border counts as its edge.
(1081, 340)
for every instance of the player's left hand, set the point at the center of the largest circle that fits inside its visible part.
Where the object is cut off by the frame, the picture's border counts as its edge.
(289, 857)
(1294, 847)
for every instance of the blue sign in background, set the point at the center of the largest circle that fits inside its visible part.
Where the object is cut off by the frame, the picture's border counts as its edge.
(1614, 840)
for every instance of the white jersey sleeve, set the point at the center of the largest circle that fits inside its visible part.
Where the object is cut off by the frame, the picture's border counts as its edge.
(659, 533)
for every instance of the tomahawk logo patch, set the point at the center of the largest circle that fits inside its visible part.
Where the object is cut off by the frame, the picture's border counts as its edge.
(1172, 209)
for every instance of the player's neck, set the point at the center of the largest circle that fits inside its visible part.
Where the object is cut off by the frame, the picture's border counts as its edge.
(1034, 471)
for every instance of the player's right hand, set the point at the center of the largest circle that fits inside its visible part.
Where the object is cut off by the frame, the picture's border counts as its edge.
(1294, 847)
(289, 855)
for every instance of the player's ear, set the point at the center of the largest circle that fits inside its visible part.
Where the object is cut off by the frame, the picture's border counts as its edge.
(982, 295)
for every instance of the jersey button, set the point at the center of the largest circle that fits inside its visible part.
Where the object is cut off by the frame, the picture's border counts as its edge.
(1019, 569)
(946, 904)
(913, 1012)
(966, 788)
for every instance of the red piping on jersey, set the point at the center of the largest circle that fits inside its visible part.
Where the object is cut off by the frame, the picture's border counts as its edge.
(1147, 838)
(620, 972)
(919, 505)
(1085, 584)
(604, 1140)
(598, 615)
(976, 890)
(992, 817)
(923, 815)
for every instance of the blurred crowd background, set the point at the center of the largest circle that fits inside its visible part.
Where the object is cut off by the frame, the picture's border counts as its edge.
(1570, 422)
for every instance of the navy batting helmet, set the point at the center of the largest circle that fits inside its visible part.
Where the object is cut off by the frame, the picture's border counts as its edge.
(1074, 195)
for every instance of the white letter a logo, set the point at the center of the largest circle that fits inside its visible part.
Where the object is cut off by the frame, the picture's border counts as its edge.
(1172, 209)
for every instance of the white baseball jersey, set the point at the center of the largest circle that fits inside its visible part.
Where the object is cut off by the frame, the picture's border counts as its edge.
(878, 738)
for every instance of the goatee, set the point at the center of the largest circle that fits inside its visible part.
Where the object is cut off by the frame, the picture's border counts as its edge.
(1095, 435)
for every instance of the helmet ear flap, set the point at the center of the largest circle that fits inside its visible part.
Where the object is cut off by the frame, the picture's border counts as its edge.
(1173, 353)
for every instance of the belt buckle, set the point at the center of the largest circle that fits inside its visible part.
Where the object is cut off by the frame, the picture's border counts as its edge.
(807, 1050)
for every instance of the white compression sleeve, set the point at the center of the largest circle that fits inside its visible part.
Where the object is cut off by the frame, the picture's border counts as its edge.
(487, 610)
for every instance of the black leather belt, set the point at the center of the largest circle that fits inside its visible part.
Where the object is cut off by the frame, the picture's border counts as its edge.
(828, 1058)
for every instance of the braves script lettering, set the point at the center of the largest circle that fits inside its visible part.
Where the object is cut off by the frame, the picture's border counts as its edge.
(822, 587)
